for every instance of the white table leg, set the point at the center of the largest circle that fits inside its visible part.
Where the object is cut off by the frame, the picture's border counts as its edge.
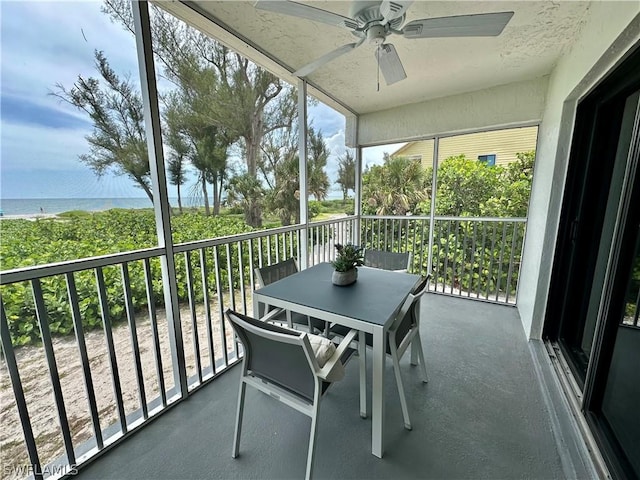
(256, 308)
(377, 394)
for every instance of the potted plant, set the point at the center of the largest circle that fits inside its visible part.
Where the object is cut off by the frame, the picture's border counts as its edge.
(349, 257)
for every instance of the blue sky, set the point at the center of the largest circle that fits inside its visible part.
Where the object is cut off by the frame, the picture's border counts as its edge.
(45, 43)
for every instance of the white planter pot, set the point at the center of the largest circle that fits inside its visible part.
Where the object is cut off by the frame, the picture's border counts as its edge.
(344, 278)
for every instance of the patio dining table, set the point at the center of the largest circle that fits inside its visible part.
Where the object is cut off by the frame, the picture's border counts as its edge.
(369, 305)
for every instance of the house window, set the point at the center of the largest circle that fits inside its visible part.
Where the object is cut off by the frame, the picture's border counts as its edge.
(488, 159)
(415, 158)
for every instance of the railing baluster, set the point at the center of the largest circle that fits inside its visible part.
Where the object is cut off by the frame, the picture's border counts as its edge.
(454, 273)
(241, 278)
(482, 255)
(18, 393)
(260, 264)
(326, 247)
(511, 259)
(421, 271)
(501, 259)
(446, 258)
(126, 285)
(473, 259)
(251, 267)
(204, 271)
(84, 358)
(223, 336)
(493, 244)
(43, 321)
(436, 263)
(269, 249)
(113, 363)
(194, 318)
(232, 295)
(463, 257)
(283, 237)
(153, 320)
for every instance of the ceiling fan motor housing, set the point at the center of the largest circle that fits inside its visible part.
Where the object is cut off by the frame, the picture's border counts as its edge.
(376, 34)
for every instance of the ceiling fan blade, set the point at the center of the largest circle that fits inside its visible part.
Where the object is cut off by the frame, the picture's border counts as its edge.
(479, 25)
(391, 10)
(311, 67)
(305, 11)
(390, 64)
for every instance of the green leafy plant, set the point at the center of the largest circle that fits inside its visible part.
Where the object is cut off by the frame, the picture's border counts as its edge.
(349, 256)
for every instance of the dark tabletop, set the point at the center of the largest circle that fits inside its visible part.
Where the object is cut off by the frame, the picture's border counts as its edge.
(373, 298)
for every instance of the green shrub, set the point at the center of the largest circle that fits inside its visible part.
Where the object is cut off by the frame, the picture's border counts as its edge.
(26, 243)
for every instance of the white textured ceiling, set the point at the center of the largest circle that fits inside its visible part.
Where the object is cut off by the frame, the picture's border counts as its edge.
(537, 35)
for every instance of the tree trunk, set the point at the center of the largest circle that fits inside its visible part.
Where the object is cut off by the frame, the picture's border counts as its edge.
(253, 214)
(216, 199)
(207, 211)
(144, 187)
(179, 199)
(220, 193)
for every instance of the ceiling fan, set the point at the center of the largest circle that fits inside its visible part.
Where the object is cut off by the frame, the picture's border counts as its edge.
(374, 21)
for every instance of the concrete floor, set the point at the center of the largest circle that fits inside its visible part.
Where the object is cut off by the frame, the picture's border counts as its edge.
(482, 415)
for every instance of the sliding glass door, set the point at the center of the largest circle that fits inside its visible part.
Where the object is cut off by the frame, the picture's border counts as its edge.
(593, 302)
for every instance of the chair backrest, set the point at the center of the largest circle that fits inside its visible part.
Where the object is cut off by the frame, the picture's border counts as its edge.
(387, 260)
(275, 272)
(276, 354)
(407, 317)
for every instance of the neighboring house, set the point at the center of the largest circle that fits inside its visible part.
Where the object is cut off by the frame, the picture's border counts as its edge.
(496, 147)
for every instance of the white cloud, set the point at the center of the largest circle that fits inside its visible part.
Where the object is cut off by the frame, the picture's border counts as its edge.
(27, 147)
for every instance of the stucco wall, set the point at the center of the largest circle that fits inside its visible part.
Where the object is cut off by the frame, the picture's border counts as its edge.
(611, 29)
(497, 107)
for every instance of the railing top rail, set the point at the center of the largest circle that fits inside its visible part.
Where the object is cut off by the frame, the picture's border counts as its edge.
(445, 217)
(60, 268)
(238, 237)
(332, 221)
(212, 242)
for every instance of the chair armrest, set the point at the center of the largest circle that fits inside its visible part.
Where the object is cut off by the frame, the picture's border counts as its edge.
(269, 316)
(335, 358)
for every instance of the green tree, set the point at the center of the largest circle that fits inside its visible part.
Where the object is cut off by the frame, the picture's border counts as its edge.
(512, 196)
(281, 170)
(317, 156)
(394, 188)
(176, 164)
(118, 141)
(465, 186)
(245, 190)
(346, 173)
(250, 102)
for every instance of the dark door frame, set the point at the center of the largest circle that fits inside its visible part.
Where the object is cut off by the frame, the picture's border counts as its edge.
(583, 216)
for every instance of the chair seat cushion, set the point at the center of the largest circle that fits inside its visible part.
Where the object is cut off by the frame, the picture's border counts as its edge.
(324, 349)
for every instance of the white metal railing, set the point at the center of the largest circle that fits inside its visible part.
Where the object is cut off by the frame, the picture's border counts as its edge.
(125, 292)
(129, 345)
(472, 257)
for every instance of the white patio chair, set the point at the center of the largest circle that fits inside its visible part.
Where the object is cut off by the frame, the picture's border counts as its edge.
(272, 273)
(403, 332)
(293, 367)
(400, 262)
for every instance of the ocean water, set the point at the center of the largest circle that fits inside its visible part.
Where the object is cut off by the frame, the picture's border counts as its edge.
(32, 206)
